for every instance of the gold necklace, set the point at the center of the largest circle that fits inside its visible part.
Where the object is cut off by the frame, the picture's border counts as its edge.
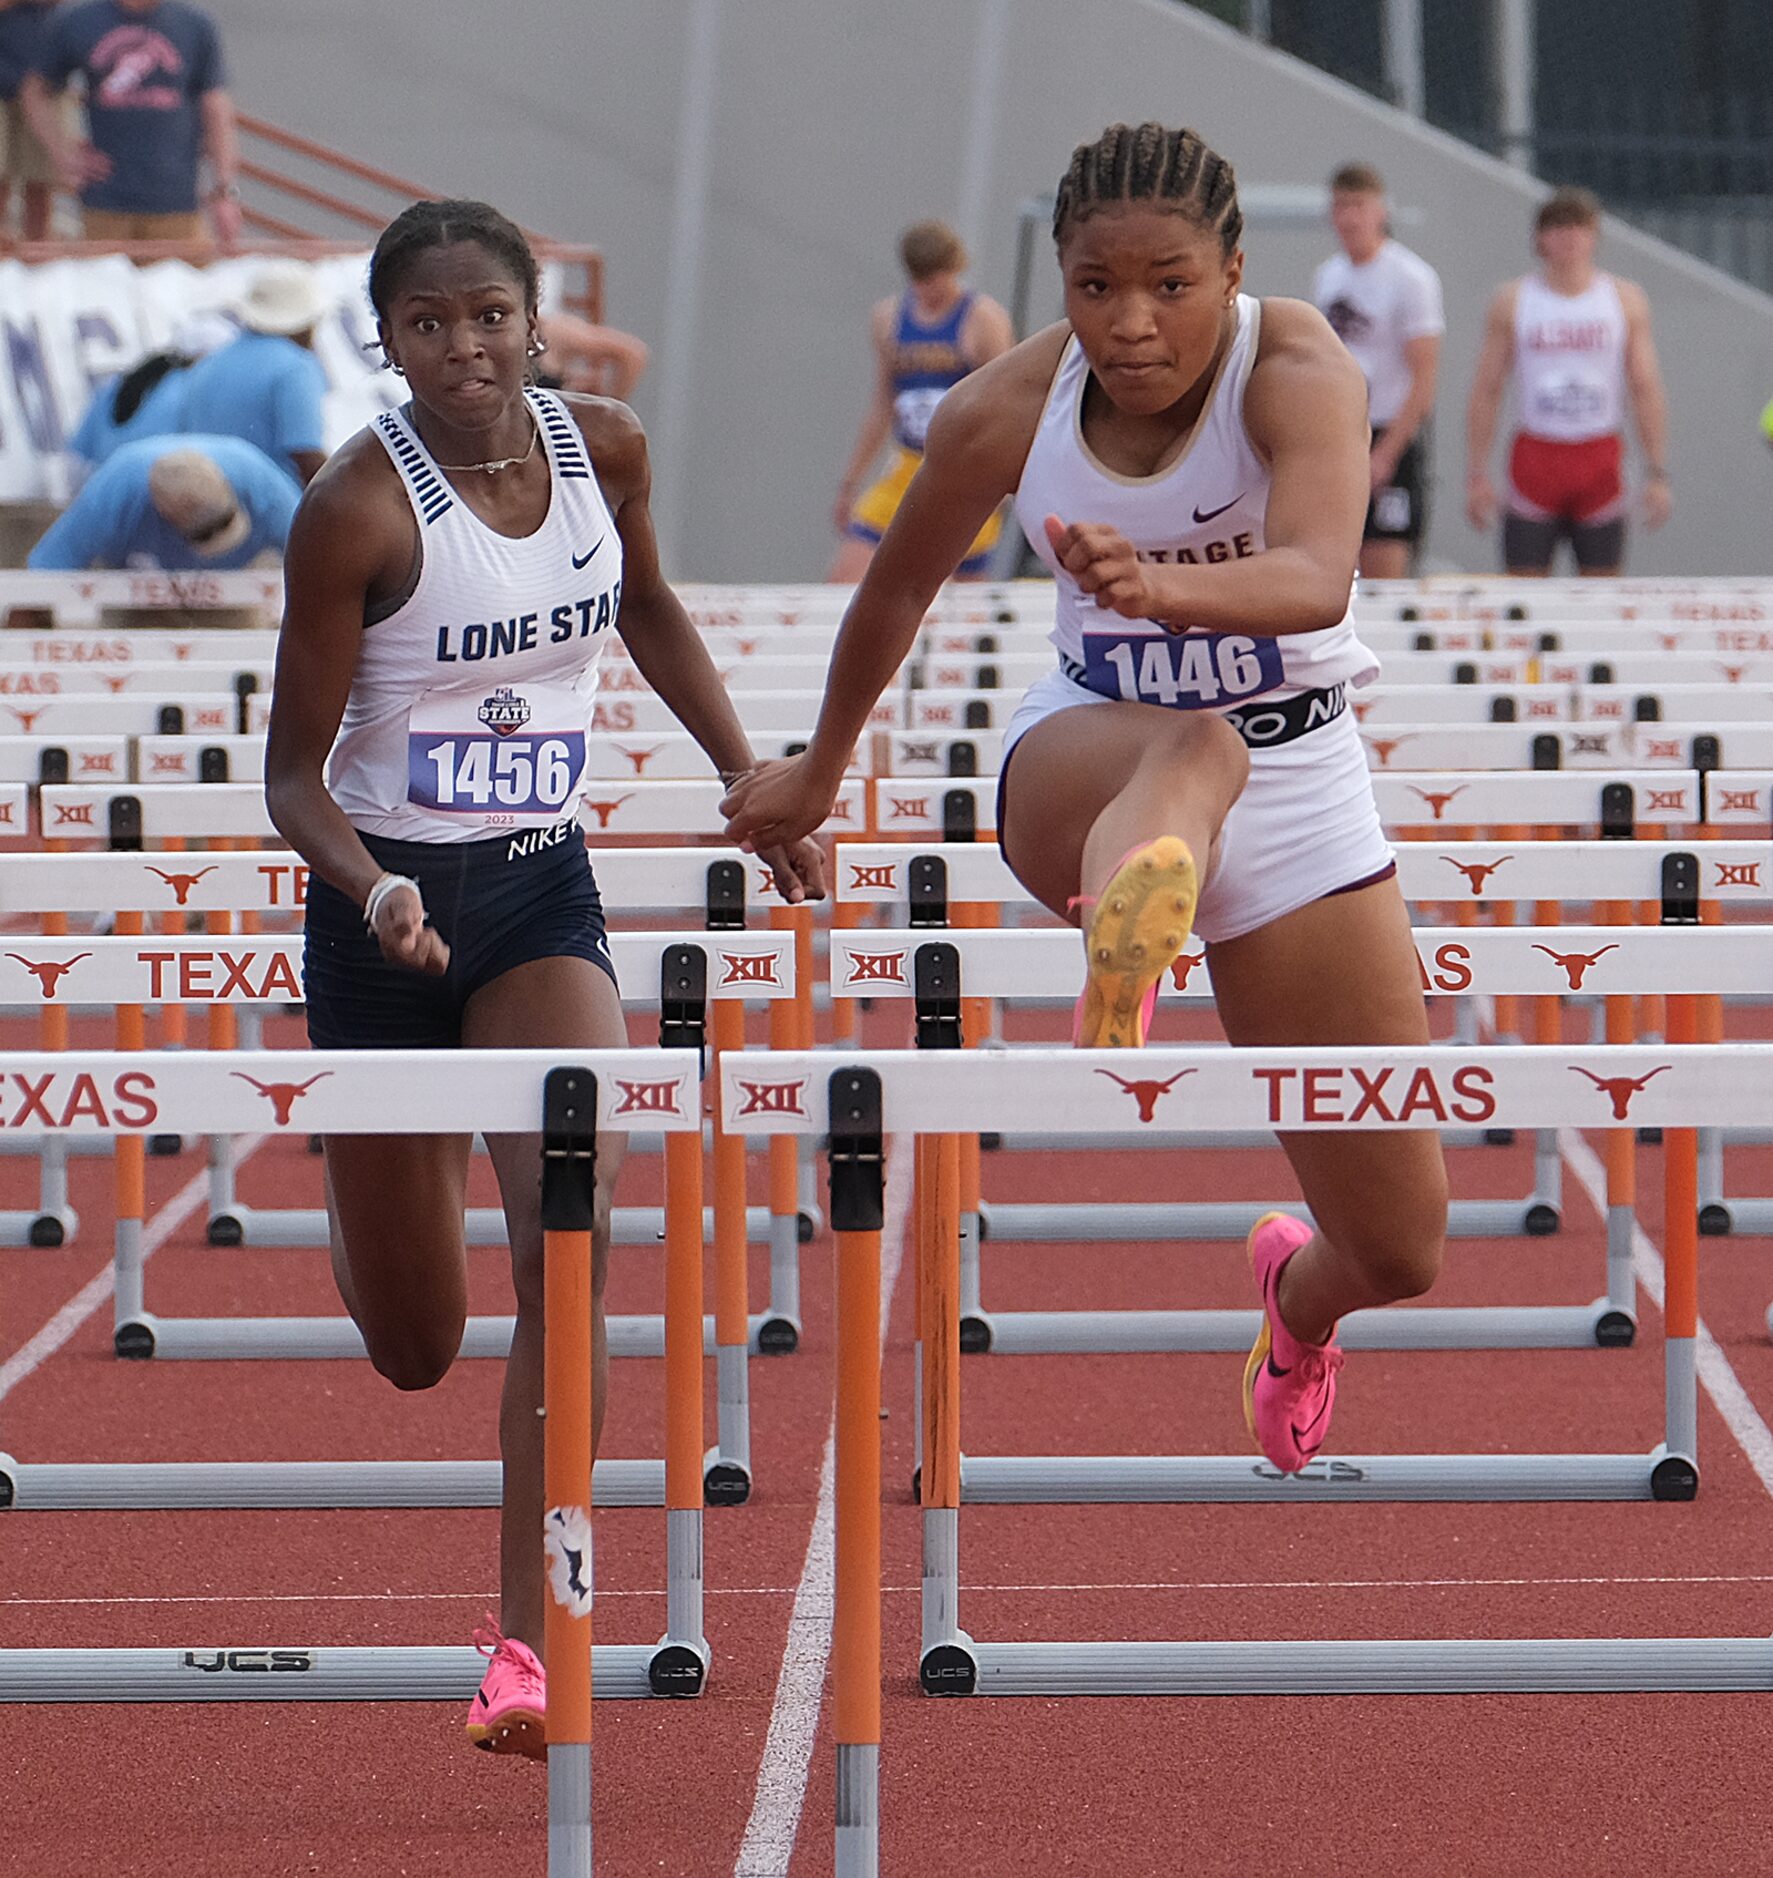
(499, 462)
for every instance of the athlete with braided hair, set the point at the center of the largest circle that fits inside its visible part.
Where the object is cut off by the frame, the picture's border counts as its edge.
(1192, 464)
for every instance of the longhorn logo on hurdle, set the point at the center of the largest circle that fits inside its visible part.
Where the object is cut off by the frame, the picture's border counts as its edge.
(1733, 674)
(1477, 872)
(1182, 968)
(773, 1098)
(879, 968)
(181, 884)
(1620, 1089)
(640, 758)
(604, 810)
(1147, 1093)
(117, 683)
(281, 1095)
(1576, 964)
(1437, 800)
(749, 969)
(48, 973)
(1382, 748)
(26, 719)
(650, 1098)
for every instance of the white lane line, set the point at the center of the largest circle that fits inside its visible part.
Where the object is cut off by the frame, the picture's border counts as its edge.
(782, 1772)
(31, 1356)
(248, 1600)
(1716, 1376)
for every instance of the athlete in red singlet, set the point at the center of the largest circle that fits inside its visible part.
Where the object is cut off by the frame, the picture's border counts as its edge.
(1578, 343)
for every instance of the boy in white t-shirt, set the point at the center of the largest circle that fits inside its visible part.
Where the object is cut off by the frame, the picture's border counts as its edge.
(1384, 303)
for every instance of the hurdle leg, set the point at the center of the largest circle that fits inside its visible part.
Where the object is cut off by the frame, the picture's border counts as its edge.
(857, 1203)
(945, 1661)
(223, 1034)
(1545, 1205)
(780, 1331)
(975, 1326)
(679, 1664)
(569, 1161)
(55, 1223)
(1622, 1178)
(727, 1467)
(1676, 1475)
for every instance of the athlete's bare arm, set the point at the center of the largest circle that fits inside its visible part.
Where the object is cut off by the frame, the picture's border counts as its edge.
(667, 649)
(1649, 401)
(978, 442)
(988, 333)
(1305, 408)
(1495, 361)
(877, 420)
(352, 543)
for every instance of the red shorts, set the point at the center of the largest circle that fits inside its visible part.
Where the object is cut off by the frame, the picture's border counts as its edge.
(1568, 482)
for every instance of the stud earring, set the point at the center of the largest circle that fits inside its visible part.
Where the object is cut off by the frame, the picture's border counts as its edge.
(537, 348)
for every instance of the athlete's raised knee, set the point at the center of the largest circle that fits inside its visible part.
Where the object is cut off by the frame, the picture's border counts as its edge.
(413, 1358)
(1399, 1258)
(1196, 744)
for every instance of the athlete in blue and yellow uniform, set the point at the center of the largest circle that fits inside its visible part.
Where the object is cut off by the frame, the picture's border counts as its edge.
(925, 342)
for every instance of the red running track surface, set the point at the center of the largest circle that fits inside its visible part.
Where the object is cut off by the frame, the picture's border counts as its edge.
(1515, 1785)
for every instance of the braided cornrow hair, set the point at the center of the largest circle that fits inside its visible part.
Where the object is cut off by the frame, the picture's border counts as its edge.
(428, 225)
(1170, 169)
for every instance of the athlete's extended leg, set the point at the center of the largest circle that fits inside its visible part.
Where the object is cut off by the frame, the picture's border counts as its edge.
(1090, 783)
(564, 1004)
(1112, 812)
(1341, 971)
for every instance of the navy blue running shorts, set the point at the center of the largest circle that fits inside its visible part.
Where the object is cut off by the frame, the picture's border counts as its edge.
(497, 904)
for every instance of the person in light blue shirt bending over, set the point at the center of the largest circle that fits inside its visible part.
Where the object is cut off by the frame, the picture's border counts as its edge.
(267, 386)
(177, 503)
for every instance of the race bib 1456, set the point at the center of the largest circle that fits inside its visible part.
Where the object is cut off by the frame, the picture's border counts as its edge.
(512, 752)
(1188, 672)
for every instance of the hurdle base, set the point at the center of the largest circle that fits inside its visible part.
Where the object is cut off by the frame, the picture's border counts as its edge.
(46, 1229)
(1407, 1327)
(1381, 1666)
(725, 1481)
(1142, 1222)
(483, 1225)
(775, 1335)
(236, 1339)
(1716, 1221)
(619, 1672)
(677, 1669)
(950, 1667)
(57, 1486)
(1050, 1480)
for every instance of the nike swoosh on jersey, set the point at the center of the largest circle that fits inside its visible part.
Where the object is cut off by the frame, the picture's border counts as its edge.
(585, 560)
(1214, 514)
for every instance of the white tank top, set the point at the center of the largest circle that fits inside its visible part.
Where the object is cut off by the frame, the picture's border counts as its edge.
(1569, 359)
(471, 702)
(1207, 506)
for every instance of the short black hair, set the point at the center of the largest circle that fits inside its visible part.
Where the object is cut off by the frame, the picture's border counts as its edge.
(1169, 169)
(428, 225)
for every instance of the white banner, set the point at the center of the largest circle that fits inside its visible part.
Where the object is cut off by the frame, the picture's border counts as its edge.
(67, 325)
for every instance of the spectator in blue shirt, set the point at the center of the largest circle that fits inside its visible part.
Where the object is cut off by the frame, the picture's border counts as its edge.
(156, 104)
(177, 503)
(267, 386)
(145, 401)
(23, 159)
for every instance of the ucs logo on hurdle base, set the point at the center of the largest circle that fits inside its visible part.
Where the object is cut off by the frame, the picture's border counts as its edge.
(249, 1662)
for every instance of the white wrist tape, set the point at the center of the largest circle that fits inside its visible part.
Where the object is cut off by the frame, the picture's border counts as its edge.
(380, 891)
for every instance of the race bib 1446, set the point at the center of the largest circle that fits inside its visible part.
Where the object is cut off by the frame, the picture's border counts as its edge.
(515, 751)
(1189, 672)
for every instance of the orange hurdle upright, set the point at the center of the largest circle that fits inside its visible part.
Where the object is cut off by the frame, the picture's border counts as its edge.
(569, 1179)
(857, 1215)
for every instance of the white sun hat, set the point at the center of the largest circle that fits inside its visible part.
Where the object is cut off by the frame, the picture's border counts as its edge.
(284, 299)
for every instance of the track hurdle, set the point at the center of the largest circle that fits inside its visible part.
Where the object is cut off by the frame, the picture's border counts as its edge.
(1233, 1091)
(433, 1092)
(133, 973)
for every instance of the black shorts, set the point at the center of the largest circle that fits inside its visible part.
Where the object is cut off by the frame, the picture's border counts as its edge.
(1399, 511)
(497, 904)
(1530, 543)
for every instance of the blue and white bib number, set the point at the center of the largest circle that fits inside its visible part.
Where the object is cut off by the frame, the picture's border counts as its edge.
(1187, 672)
(510, 756)
(912, 412)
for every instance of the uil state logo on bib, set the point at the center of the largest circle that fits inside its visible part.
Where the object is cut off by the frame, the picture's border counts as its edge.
(509, 758)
